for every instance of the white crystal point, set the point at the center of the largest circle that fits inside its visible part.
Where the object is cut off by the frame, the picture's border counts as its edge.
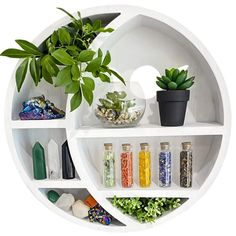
(53, 160)
(79, 209)
(65, 201)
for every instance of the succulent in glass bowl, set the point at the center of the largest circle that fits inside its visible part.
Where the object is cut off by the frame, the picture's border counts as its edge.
(119, 108)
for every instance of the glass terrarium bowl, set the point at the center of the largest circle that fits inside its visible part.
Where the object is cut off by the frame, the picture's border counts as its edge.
(116, 106)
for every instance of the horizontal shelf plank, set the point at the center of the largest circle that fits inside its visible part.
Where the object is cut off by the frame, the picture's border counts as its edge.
(150, 130)
(61, 183)
(153, 191)
(38, 124)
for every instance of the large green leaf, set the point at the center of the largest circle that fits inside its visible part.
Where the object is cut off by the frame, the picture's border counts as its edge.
(104, 78)
(88, 94)
(100, 53)
(54, 38)
(75, 72)
(76, 100)
(103, 30)
(73, 87)
(35, 70)
(63, 77)
(94, 65)
(63, 57)
(86, 55)
(118, 76)
(15, 53)
(29, 47)
(89, 82)
(46, 75)
(107, 59)
(64, 36)
(70, 15)
(50, 65)
(97, 25)
(21, 73)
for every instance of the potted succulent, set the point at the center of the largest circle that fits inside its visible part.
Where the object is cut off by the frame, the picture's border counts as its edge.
(173, 100)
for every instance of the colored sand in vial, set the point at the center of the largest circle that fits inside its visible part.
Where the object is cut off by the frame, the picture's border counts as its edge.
(126, 159)
(144, 165)
(164, 165)
(186, 165)
(108, 166)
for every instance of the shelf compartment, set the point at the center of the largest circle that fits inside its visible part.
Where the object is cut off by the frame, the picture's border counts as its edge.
(24, 140)
(81, 194)
(38, 124)
(205, 152)
(149, 130)
(154, 38)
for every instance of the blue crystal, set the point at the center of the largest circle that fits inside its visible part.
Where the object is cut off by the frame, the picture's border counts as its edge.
(37, 108)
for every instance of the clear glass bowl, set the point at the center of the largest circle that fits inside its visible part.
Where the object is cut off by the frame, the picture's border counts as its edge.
(116, 106)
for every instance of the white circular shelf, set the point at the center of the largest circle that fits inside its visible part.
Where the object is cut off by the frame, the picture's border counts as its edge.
(141, 37)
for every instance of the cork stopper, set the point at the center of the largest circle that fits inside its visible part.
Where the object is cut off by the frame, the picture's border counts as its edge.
(186, 145)
(144, 146)
(126, 147)
(165, 146)
(108, 146)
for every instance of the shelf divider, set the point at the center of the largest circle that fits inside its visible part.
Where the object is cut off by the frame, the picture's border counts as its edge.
(60, 183)
(150, 130)
(152, 191)
(38, 124)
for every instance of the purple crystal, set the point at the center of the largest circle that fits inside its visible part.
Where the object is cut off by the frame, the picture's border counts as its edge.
(98, 214)
(37, 108)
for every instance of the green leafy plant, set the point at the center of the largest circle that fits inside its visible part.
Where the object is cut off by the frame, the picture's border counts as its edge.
(65, 60)
(174, 79)
(116, 101)
(146, 209)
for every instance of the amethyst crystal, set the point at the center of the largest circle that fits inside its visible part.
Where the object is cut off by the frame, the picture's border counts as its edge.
(98, 214)
(37, 108)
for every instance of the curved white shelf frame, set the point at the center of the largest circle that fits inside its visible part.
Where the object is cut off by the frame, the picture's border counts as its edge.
(145, 37)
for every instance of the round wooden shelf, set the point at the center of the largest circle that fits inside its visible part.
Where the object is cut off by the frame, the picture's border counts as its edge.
(141, 37)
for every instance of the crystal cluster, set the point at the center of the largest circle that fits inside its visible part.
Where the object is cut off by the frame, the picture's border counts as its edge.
(98, 214)
(37, 108)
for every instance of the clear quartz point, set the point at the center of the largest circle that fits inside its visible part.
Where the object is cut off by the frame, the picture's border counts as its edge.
(53, 160)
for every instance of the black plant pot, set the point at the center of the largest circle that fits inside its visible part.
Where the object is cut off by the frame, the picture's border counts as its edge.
(172, 106)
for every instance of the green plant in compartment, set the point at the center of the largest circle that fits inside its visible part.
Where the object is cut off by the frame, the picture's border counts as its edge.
(174, 79)
(146, 209)
(64, 59)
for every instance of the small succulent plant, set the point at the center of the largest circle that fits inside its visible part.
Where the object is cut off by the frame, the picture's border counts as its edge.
(115, 101)
(114, 110)
(174, 79)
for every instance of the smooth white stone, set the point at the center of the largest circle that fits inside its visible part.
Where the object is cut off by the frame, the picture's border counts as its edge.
(53, 160)
(65, 201)
(79, 209)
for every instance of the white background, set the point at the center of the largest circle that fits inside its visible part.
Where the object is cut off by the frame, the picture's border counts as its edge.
(213, 22)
